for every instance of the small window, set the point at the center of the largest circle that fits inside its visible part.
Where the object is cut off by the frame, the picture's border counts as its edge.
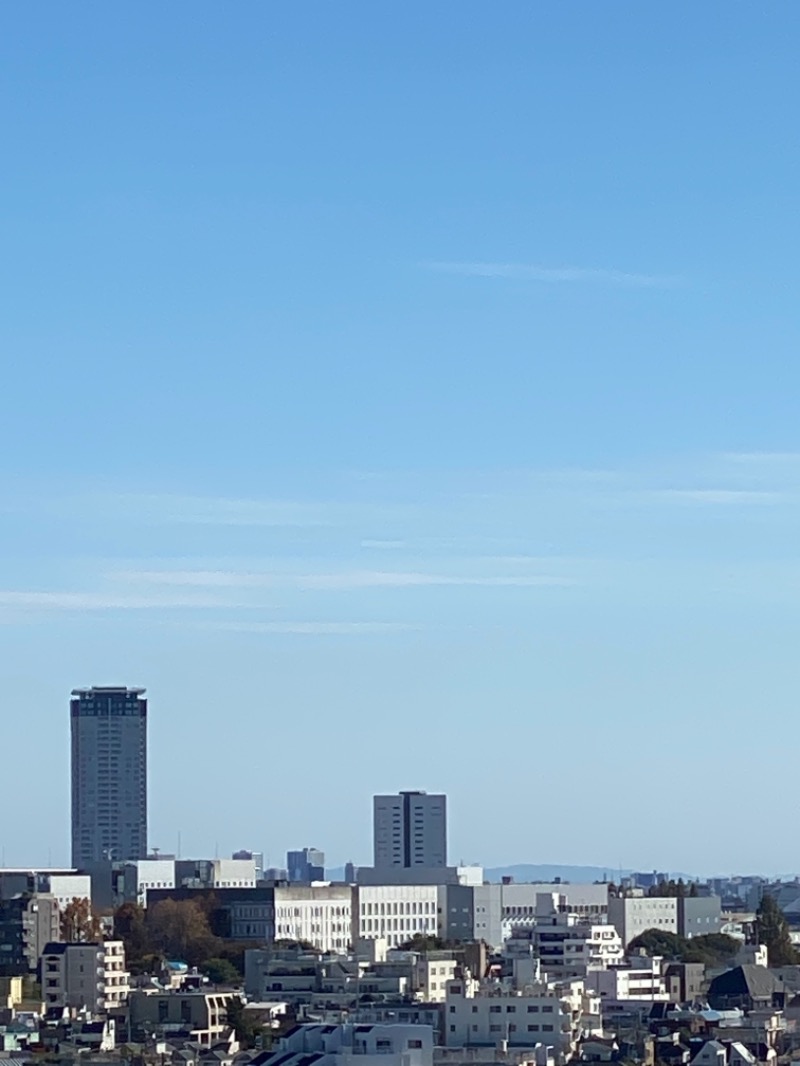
(415, 1044)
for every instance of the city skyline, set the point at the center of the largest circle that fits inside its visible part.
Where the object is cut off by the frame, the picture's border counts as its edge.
(407, 399)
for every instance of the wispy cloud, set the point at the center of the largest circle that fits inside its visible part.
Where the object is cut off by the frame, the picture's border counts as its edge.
(739, 497)
(360, 579)
(537, 272)
(100, 601)
(342, 581)
(762, 457)
(347, 629)
(202, 510)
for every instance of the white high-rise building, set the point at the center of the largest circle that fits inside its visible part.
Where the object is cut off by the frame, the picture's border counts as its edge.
(109, 775)
(410, 830)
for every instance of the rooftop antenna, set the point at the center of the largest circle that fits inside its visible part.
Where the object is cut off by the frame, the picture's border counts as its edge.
(179, 843)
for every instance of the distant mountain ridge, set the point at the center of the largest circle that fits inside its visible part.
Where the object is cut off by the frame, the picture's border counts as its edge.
(530, 872)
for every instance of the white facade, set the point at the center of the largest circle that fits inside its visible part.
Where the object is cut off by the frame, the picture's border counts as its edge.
(321, 915)
(397, 913)
(432, 977)
(642, 983)
(356, 1045)
(109, 775)
(634, 915)
(85, 975)
(567, 946)
(485, 1015)
(67, 887)
(233, 873)
(153, 873)
(410, 830)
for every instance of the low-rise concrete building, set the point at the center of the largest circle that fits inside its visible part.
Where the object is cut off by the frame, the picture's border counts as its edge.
(490, 1014)
(198, 1016)
(354, 1045)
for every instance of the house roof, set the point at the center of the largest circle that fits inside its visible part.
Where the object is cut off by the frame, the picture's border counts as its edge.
(755, 981)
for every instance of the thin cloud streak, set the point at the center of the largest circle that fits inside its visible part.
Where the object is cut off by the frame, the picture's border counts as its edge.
(552, 275)
(221, 511)
(717, 496)
(336, 582)
(98, 601)
(314, 628)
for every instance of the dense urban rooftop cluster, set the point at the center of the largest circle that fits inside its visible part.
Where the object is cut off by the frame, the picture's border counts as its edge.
(157, 958)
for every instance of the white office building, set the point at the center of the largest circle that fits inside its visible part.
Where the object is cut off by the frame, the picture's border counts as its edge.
(396, 913)
(634, 915)
(565, 944)
(409, 830)
(319, 914)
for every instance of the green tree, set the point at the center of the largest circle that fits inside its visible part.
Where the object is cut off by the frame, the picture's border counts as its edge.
(221, 972)
(179, 930)
(248, 1029)
(773, 931)
(130, 927)
(658, 942)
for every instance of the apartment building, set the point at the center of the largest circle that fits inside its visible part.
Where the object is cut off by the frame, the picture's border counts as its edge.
(91, 976)
(354, 1045)
(27, 923)
(199, 1016)
(483, 1015)
(567, 945)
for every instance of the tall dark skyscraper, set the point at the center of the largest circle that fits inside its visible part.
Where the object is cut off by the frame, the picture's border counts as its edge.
(109, 774)
(410, 830)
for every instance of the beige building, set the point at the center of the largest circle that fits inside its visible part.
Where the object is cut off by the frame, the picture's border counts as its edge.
(85, 975)
(201, 1016)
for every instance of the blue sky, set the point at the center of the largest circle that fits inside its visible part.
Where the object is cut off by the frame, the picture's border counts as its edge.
(406, 395)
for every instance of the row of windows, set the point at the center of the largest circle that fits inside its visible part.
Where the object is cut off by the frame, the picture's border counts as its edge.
(497, 1008)
(314, 912)
(511, 1028)
(424, 907)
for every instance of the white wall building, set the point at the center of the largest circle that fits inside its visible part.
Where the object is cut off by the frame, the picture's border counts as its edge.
(319, 914)
(233, 873)
(432, 977)
(634, 915)
(409, 830)
(568, 946)
(85, 975)
(484, 1015)
(152, 873)
(356, 1045)
(642, 983)
(396, 913)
